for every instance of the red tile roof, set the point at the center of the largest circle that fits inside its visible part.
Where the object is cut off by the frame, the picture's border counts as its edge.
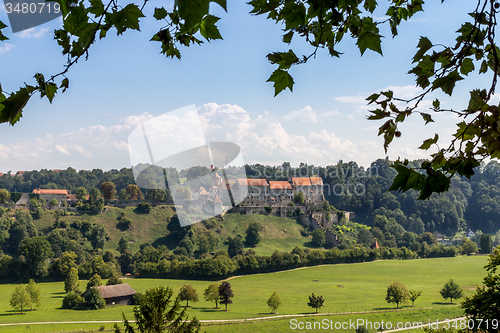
(216, 175)
(280, 185)
(201, 190)
(217, 199)
(316, 181)
(39, 191)
(257, 182)
(301, 181)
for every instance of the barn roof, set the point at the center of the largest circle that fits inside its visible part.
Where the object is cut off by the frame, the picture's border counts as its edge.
(117, 290)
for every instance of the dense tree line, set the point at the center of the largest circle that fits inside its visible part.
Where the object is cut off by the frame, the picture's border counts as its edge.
(473, 203)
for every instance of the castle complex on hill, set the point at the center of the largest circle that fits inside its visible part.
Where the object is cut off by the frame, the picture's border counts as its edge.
(256, 192)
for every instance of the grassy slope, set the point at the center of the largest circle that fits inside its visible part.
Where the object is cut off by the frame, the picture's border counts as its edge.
(277, 233)
(364, 288)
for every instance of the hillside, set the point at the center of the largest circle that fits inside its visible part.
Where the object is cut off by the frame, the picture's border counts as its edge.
(281, 234)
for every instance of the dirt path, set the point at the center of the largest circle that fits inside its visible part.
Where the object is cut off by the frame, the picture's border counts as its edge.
(220, 321)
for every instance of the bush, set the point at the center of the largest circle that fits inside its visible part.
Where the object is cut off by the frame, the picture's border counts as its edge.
(72, 301)
(137, 298)
(95, 300)
(144, 207)
(318, 237)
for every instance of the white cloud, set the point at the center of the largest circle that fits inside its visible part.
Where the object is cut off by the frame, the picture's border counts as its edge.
(6, 48)
(307, 114)
(264, 140)
(33, 33)
(61, 149)
(261, 137)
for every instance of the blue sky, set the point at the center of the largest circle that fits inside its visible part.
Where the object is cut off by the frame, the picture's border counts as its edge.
(126, 79)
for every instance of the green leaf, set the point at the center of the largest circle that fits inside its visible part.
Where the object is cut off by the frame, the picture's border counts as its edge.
(193, 11)
(436, 103)
(370, 5)
(484, 67)
(429, 142)
(369, 38)
(129, 18)
(287, 38)
(160, 13)
(284, 59)
(424, 45)
(477, 100)
(282, 80)
(50, 90)
(372, 98)
(96, 7)
(208, 28)
(467, 66)
(294, 15)
(427, 118)
(64, 84)
(13, 106)
(2, 36)
(76, 21)
(447, 83)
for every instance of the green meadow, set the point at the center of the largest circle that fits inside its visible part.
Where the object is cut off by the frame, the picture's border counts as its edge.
(345, 288)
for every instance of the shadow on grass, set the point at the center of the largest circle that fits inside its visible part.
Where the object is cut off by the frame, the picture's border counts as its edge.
(209, 310)
(443, 303)
(13, 313)
(392, 308)
(60, 295)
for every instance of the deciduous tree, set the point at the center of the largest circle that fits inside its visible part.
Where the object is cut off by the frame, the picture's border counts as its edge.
(94, 281)
(134, 192)
(397, 293)
(212, 294)
(252, 237)
(108, 190)
(188, 293)
(114, 279)
(94, 299)
(81, 193)
(20, 298)
(451, 290)
(36, 250)
(71, 282)
(414, 294)
(225, 293)
(4, 195)
(34, 293)
(274, 302)
(316, 302)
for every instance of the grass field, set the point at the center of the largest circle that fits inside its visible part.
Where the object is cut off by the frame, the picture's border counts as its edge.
(345, 288)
